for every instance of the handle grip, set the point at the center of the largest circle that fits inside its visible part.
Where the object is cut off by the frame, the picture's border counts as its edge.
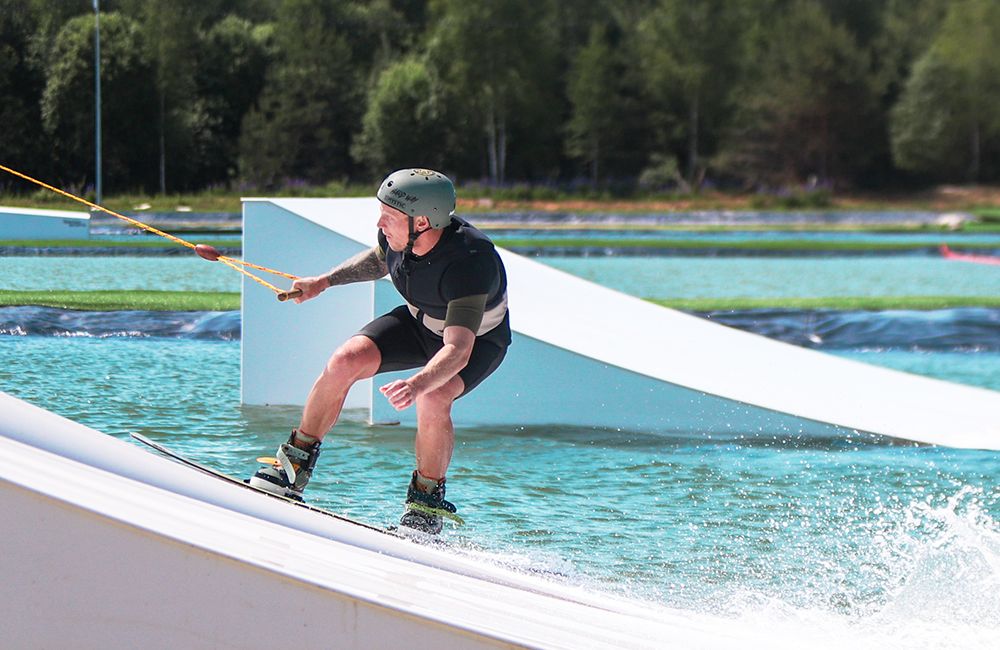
(288, 295)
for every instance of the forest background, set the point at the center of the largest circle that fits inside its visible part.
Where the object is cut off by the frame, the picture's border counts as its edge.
(588, 97)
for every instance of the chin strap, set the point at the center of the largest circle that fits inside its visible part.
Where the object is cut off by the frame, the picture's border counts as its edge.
(412, 239)
(414, 234)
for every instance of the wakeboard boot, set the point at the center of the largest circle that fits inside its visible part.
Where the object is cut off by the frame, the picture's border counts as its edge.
(288, 475)
(426, 508)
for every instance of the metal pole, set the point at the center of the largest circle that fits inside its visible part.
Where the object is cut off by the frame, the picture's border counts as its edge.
(97, 99)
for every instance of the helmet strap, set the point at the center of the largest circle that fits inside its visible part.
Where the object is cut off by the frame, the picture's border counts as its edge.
(412, 239)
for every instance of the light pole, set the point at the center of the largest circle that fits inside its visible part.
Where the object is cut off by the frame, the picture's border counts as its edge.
(97, 98)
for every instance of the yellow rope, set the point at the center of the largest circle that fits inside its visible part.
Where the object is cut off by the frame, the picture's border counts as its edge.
(231, 262)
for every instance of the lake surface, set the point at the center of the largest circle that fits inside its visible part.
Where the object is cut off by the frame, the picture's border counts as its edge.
(850, 536)
(647, 277)
(825, 540)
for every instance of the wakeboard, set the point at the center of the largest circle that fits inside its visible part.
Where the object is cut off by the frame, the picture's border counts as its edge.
(393, 531)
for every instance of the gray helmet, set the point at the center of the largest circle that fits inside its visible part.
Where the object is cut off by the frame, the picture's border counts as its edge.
(420, 192)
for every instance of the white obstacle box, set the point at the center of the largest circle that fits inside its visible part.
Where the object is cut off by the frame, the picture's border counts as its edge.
(25, 223)
(584, 355)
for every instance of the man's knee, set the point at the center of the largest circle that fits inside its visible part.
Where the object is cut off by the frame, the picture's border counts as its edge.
(357, 358)
(440, 399)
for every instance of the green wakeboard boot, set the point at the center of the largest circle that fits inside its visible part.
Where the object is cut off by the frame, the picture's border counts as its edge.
(426, 508)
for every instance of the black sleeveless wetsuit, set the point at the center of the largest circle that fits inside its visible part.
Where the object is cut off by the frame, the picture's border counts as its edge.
(463, 263)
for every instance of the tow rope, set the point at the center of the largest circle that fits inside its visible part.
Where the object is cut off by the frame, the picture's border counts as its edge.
(204, 251)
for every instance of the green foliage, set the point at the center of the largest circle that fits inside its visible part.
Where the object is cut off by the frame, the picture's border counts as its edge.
(404, 124)
(496, 59)
(807, 105)
(692, 54)
(233, 60)
(602, 96)
(794, 199)
(127, 89)
(21, 83)
(662, 172)
(594, 88)
(946, 121)
(170, 30)
(310, 103)
(927, 134)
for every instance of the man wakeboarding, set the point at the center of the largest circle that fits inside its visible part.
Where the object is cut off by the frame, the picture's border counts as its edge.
(453, 328)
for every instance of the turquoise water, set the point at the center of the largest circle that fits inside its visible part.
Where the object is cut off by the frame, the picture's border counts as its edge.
(698, 277)
(108, 273)
(650, 277)
(842, 533)
(831, 536)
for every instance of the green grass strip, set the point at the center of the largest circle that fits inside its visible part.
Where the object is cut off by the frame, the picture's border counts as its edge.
(846, 303)
(124, 300)
(225, 301)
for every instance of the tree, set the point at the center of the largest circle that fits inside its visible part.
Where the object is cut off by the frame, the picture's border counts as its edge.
(22, 141)
(312, 100)
(691, 55)
(907, 31)
(497, 59)
(129, 95)
(170, 37)
(928, 130)
(594, 90)
(806, 107)
(404, 122)
(946, 123)
(967, 44)
(231, 67)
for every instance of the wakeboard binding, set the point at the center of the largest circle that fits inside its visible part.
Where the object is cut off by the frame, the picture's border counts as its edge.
(426, 511)
(288, 473)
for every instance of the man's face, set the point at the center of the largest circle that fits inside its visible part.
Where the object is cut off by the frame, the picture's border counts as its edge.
(396, 228)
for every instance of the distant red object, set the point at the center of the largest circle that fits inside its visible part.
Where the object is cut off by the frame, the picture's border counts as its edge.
(949, 254)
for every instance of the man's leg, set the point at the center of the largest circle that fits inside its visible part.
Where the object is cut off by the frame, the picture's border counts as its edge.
(357, 359)
(435, 439)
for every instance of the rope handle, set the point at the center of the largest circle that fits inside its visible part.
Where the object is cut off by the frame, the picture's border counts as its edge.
(288, 295)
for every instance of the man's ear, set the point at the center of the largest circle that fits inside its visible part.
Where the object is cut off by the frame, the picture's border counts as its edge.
(421, 223)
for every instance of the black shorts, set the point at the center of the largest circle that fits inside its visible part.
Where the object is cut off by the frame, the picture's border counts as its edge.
(405, 344)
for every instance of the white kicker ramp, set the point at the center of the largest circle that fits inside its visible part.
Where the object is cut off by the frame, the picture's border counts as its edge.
(109, 546)
(29, 223)
(584, 355)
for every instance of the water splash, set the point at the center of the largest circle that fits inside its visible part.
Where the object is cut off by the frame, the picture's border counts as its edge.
(932, 580)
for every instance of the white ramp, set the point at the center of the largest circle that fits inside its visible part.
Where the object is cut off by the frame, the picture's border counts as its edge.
(585, 355)
(28, 223)
(109, 546)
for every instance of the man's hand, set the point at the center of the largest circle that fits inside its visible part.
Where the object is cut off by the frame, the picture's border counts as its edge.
(399, 393)
(310, 287)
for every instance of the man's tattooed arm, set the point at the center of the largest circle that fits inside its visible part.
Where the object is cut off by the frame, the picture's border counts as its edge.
(366, 265)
